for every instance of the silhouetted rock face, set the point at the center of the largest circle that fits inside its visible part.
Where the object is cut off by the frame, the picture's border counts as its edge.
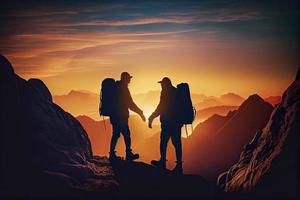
(41, 144)
(269, 164)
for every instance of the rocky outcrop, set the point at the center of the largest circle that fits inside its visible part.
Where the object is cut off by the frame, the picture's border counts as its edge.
(269, 164)
(42, 146)
(139, 180)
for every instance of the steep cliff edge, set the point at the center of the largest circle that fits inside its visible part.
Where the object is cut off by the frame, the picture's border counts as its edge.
(269, 164)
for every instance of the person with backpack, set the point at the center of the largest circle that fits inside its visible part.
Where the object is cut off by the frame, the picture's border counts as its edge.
(171, 124)
(115, 102)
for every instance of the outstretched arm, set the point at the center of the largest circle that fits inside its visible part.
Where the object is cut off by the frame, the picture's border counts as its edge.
(155, 114)
(134, 107)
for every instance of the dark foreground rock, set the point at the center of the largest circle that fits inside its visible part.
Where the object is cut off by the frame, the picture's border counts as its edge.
(44, 150)
(142, 181)
(269, 164)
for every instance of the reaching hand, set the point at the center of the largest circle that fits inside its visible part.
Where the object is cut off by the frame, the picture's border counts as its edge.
(143, 117)
(150, 122)
(141, 114)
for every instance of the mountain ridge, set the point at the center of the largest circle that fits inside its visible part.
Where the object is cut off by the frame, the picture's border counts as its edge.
(272, 157)
(225, 140)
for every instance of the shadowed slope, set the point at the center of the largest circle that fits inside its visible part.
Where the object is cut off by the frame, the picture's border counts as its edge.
(209, 154)
(269, 164)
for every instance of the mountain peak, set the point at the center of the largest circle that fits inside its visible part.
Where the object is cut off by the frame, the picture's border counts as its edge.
(80, 92)
(72, 92)
(215, 117)
(231, 98)
(230, 94)
(255, 97)
(254, 102)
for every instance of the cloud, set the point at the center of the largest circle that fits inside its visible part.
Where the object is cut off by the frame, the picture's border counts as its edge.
(218, 16)
(45, 40)
(50, 54)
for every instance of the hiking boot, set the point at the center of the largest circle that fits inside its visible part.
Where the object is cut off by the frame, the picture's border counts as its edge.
(159, 164)
(113, 156)
(178, 169)
(131, 156)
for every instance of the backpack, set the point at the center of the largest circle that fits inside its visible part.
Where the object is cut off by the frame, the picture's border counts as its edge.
(107, 97)
(186, 110)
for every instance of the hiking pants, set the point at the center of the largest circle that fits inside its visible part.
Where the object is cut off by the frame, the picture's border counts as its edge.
(172, 131)
(119, 128)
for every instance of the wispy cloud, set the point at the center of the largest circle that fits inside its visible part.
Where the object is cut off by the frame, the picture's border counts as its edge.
(218, 16)
(46, 40)
(48, 54)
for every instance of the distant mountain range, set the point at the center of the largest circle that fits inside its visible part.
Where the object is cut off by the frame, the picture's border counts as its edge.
(274, 100)
(82, 102)
(229, 99)
(79, 102)
(205, 113)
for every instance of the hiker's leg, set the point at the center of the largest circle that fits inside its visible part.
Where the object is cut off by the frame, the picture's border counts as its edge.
(114, 138)
(164, 138)
(176, 141)
(126, 134)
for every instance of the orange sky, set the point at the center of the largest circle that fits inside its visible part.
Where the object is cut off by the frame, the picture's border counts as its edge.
(215, 49)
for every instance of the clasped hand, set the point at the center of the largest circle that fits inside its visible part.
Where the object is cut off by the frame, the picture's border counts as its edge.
(143, 116)
(150, 120)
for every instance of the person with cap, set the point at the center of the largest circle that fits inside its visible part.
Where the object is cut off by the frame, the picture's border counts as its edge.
(119, 118)
(170, 125)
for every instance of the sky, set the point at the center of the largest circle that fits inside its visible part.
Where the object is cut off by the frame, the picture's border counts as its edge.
(217, 47)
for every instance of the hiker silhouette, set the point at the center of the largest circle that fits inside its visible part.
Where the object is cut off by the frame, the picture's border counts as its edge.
(171, 124)
(116, 100)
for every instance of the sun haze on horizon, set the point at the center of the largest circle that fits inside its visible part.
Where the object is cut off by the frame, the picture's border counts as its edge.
(217, 47)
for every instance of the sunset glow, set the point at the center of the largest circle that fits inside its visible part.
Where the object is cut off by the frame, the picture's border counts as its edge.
(251, 49)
